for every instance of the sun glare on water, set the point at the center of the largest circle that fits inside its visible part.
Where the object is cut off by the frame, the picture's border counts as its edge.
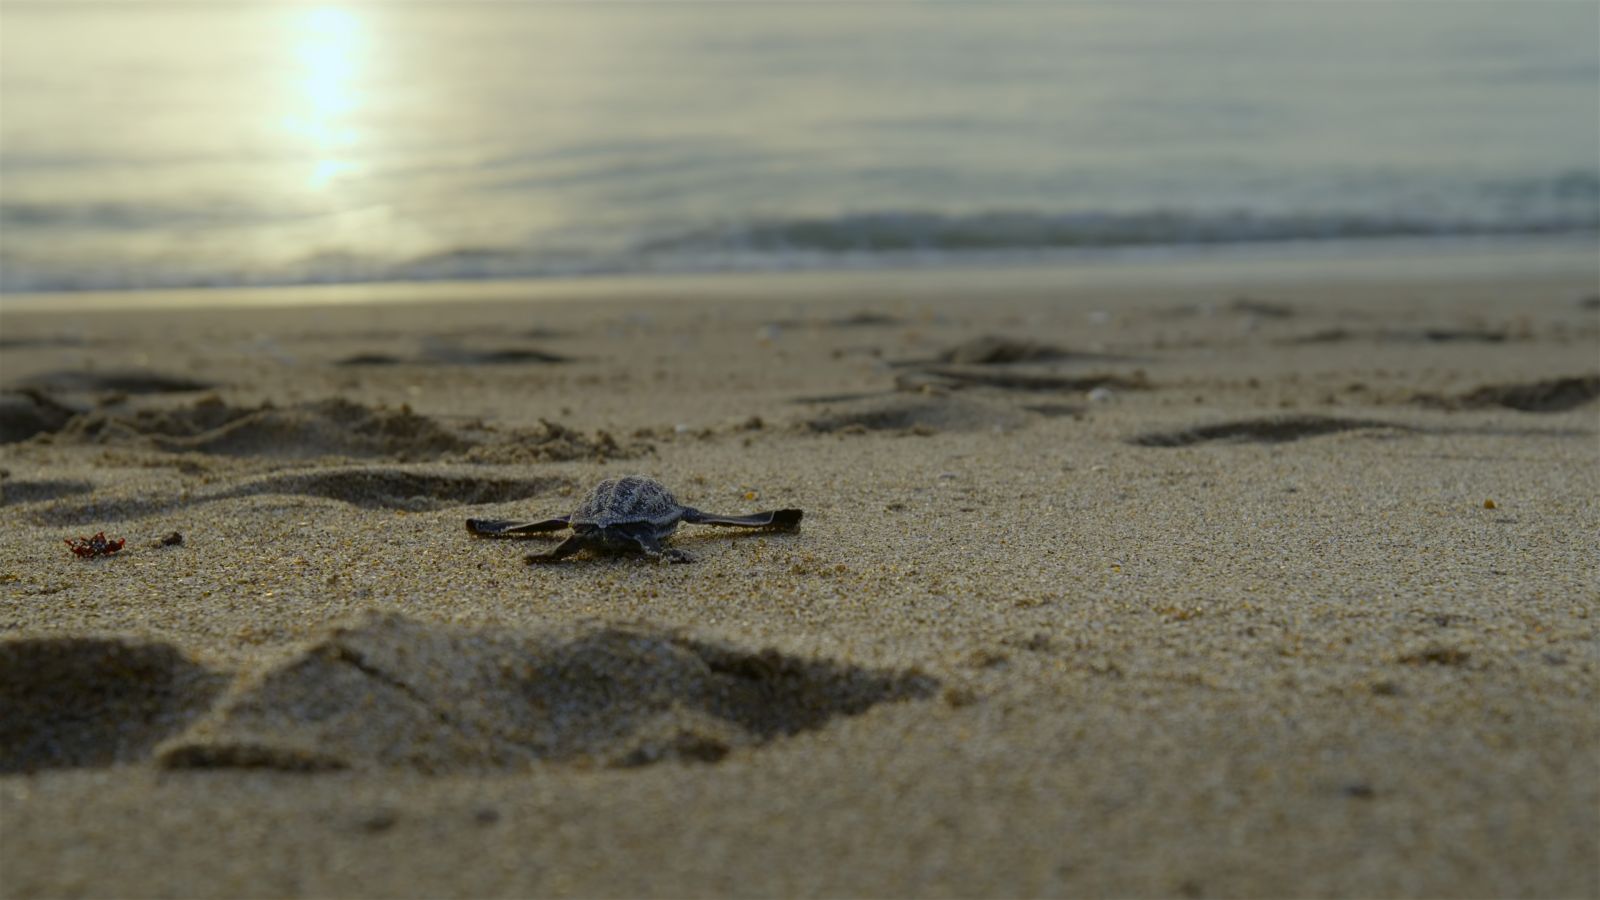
(327, 45)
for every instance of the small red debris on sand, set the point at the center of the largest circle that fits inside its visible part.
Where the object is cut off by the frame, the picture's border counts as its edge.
(99, 545)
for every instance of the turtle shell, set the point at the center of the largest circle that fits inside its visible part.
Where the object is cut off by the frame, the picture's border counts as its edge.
(633, 499)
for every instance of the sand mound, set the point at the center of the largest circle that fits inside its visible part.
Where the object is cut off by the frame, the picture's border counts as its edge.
(553, 442)
(79, 701)
(1270, 430)
(388, 692)
(334, 427)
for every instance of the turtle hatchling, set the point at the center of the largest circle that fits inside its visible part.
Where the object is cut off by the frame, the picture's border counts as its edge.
(633, 514)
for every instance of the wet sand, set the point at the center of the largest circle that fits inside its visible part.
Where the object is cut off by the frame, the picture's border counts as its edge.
(1226, 580)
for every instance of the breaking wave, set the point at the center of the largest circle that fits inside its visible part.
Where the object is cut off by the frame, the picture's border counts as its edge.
(854, 240)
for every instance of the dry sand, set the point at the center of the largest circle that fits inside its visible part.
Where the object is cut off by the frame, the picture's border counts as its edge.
(1188, 584)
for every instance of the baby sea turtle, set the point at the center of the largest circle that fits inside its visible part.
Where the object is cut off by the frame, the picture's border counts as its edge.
(630, 514)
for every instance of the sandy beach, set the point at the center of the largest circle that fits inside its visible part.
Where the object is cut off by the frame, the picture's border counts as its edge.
(1205, 579)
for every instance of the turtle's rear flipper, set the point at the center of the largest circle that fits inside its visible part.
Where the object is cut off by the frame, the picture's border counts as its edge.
(507, 528)
(562, 550)
(777, 518)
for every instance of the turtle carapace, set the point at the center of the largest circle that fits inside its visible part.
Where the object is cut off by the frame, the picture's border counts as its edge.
(633, 514)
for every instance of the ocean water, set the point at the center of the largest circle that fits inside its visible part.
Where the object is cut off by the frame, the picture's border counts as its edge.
(148, 144)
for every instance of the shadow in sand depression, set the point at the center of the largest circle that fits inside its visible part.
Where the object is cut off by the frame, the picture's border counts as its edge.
(1267, 430)
(118, 381)
(68, 702)
(391, 692)
(387, 692)
(369, 487)
(1550, 395)
(333, 427)
(326, 428)
(39, 490)
(912, 414)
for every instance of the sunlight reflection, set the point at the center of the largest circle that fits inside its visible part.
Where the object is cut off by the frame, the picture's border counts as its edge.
(327, 48)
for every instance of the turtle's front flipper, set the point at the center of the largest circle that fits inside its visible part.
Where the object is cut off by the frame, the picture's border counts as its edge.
(507, 528)
(562, 550)
(776, 518)
(652, 548)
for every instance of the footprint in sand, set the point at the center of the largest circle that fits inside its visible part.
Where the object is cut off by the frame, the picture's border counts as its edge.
(389, 692)
(80, 701)
(28, 412)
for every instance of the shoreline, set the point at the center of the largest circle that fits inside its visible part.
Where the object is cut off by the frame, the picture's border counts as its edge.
(1330, 261)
